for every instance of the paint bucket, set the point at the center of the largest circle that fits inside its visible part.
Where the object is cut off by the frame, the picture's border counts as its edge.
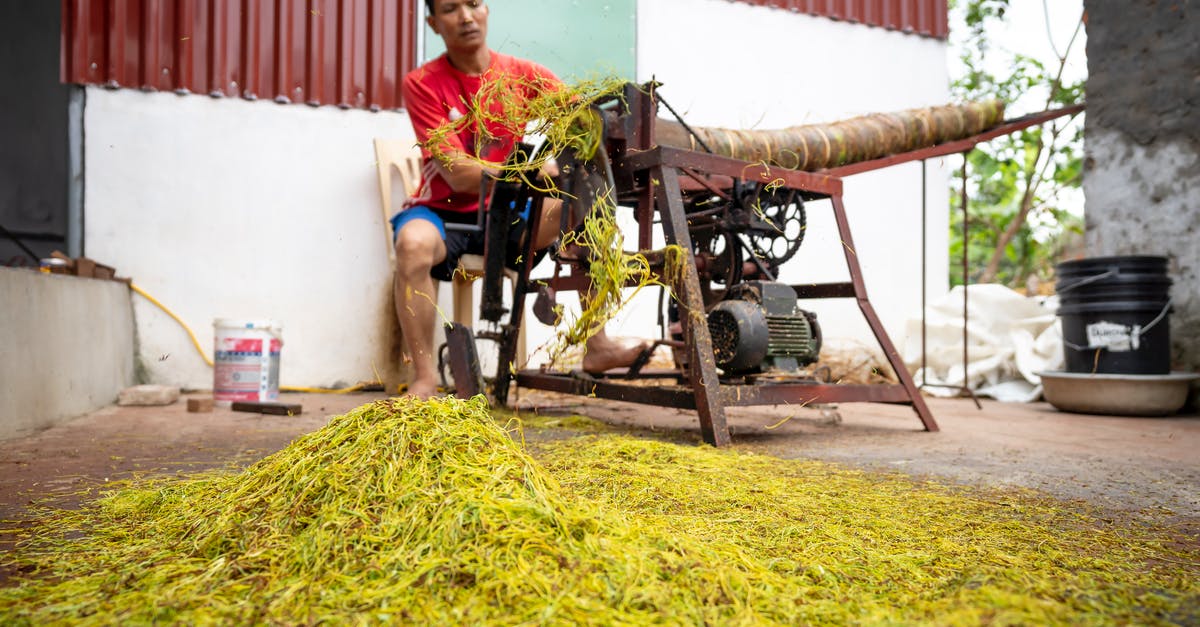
(246, 359)
(1114, 314)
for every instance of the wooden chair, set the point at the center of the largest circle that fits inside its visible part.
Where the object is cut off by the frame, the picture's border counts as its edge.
(405, 157)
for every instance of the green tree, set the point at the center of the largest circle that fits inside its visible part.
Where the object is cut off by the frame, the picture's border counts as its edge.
(1019, 221)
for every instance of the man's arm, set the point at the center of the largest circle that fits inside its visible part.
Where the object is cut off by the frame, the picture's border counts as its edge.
(463, 174)
(427, 112)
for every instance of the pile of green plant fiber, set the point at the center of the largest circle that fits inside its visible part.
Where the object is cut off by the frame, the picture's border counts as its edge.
(858, 546)
(429, 512)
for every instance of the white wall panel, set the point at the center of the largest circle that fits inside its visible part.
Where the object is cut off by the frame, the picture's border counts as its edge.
(742, 66)
(241, 209)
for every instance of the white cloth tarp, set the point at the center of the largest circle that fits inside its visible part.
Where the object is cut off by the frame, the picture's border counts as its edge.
(1010, 338)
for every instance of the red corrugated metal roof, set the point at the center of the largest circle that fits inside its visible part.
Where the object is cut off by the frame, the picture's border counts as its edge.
(921, 17)
(350, 53)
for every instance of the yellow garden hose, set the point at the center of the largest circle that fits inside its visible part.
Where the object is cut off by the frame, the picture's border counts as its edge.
(208, 360)
(195, 342)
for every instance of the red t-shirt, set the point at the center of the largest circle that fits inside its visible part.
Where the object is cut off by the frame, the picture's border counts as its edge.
(437, 93)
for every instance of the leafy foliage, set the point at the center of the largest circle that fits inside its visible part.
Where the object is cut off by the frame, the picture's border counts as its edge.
(1021, 186)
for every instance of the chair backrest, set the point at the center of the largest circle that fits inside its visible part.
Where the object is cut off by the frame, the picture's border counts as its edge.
(405, 156)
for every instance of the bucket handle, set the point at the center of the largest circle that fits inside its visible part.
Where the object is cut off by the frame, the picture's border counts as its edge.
(1162, 314)
(1112, 271)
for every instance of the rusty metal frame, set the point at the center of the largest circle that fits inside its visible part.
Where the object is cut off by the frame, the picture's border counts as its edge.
(705, 393)
(652, 175)
(683, 396)
(659, 169)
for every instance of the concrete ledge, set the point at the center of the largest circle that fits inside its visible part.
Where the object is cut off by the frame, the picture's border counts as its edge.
(66, 348)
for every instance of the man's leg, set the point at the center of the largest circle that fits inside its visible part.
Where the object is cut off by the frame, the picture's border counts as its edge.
(419, 247)
(601, 352)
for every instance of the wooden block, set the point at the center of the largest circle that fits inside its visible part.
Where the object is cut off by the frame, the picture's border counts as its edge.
(102, 271)
(264, 407)
(85, 267)
(200, 405)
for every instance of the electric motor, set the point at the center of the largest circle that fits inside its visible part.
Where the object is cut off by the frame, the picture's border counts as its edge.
(760, 327)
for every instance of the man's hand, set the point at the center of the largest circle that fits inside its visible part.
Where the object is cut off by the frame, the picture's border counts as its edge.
(548, 170)
(464, 174)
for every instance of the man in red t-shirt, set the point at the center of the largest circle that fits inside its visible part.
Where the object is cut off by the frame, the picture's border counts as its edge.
(438, 92)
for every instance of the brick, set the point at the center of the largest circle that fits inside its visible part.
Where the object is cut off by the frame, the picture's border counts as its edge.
(148, 395)
(199, 405)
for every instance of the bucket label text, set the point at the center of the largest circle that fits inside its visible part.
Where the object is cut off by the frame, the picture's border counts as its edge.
(1117, 338)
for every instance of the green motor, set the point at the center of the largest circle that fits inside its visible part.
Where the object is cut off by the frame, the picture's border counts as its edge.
(760, 327)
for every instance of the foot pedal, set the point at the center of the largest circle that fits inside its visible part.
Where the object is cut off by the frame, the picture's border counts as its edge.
(463, 360)
(642, 359)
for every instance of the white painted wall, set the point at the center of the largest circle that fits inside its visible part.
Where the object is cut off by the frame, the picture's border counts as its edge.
(244, 209)
(736, 65)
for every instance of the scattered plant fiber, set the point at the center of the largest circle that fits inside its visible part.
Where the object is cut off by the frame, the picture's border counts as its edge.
(615, 276)
(429, 512)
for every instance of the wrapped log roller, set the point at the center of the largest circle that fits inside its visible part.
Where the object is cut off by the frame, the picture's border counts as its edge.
(818, 146)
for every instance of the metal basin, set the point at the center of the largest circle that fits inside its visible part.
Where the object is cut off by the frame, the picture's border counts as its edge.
(1117, 394)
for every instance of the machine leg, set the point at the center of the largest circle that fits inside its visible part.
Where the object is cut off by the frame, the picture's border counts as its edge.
(510, 341)
(860, 294)
(702, 367)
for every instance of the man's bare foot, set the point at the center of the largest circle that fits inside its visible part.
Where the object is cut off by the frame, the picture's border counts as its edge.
(421, 390)
(605, 354)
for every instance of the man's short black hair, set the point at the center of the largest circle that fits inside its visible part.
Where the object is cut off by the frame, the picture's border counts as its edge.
(429, 6)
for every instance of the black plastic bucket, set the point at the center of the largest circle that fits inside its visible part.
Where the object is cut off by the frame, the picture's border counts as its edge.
(1114, 314)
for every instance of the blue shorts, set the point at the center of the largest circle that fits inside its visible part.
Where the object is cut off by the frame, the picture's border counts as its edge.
(459, 243)
(417, 213)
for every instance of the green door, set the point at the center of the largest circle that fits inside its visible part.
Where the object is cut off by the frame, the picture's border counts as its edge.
(576, 39)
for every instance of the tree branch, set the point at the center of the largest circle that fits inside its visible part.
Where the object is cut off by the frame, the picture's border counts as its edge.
(1034, 176)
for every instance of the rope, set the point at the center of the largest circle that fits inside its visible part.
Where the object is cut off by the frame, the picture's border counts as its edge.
(1113, 271)
(679, 119)
(195, 342)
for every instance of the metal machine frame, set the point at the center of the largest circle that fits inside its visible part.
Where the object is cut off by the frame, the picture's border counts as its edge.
(653, 179)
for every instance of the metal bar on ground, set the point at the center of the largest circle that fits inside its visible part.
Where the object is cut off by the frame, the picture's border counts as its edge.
(966, 234)
(809, 393)
(679, 397)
